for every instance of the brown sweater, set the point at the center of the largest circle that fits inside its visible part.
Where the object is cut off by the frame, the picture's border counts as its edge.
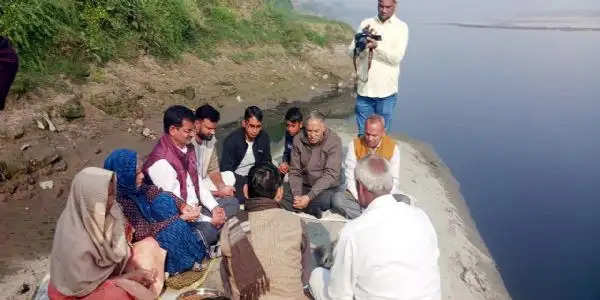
(315, 168)
(278, 239)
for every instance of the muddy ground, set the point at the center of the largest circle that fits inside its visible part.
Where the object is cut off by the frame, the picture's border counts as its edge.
(121, 105)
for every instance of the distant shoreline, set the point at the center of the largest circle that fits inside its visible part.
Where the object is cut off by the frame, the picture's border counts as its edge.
(521, 27)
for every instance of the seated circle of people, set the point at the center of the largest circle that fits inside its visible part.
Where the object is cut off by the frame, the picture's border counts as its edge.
(266, 253)
(155, 213)
(91, 254)
(172, 166)
(315, 168)
(293, 124)
(375, 140)
(402, 237)
(245, 147)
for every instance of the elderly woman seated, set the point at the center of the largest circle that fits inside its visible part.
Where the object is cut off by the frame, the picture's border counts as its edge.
(92, 255)
(155, 213)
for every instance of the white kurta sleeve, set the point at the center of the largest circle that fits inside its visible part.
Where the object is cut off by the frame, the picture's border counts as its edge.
(164, 176)
(349, 166)
(395, 165)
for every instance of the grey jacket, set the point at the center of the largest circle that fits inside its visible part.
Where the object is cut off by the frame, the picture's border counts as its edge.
(315, 168)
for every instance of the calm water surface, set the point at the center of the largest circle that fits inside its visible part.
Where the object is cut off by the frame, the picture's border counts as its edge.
(515, 115)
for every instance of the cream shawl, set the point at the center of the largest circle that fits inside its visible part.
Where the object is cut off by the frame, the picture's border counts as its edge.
(90, 243)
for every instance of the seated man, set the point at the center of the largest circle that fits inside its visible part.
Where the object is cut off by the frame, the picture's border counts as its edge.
(293, 124)
(274, 261)
(315, 167)
(375, 141)
(389, 252)
(207, 160)
(244, 147)
(172, 167)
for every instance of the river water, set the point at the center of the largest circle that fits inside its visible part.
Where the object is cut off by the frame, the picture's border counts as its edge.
(514, 114)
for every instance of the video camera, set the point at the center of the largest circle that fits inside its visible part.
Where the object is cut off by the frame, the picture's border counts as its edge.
(361, 41)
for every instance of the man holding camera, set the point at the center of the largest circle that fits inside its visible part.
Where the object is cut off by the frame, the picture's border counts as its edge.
(377, 50)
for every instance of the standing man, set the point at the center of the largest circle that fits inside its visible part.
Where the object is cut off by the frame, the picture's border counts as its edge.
(172, 167)
(378, 66)
(245, 147)
(315, 168)
(389, 252)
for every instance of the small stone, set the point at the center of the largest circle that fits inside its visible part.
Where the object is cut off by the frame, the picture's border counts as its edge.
(16, 132)
(51, 126)
(25, 147)
(98, 151)
(50, 159)
(60, 166)
(340, 84)
(60, 192)
(40, 125)
(325, 77)
(24, 289)
(139, 122)
(47, 185)
(72, 109)
(312, 87)
(147, 132)
(239, 99)
(129, 130)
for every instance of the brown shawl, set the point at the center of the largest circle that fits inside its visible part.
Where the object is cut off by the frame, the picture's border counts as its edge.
(90, 243)
(248, 273)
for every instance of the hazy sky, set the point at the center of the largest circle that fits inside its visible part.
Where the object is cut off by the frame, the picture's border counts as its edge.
(469, 10)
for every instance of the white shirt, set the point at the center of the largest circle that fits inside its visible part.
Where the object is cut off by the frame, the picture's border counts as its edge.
(164, 176)
(385, 67)
(389, 252)
(247, 162)
(350, 165)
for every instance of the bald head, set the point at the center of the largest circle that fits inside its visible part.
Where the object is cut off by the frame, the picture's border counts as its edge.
(374, 178)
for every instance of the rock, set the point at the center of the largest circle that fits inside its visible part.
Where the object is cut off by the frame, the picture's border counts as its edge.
(139, 122)
(98, 151)
(23, 289)
(40, 124)
(239, 99)
(341, 84)
(325, 77)
(50, 159)
(147, 132)
(47, 185)
(25, 147)
(72, 109)
(16, 132)
(312, 87)
(188, 92)
(51, 126)
(60, 166)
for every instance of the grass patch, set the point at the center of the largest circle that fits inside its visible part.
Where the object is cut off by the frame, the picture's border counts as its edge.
(68, 36)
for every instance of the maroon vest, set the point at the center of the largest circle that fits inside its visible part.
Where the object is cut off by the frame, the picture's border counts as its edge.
(183, 163)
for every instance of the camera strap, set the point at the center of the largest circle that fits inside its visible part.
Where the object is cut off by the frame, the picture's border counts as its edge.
(368, 68)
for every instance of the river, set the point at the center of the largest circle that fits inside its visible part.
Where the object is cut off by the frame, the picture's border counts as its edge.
(514, 114)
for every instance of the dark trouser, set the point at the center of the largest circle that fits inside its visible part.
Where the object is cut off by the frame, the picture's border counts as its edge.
(207, 231)
(240, 181)
(345, 204)
(9, 64)
(316, 207)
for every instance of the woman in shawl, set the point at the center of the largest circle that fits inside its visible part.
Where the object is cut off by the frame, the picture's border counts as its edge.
(155, 213)
(91, 254)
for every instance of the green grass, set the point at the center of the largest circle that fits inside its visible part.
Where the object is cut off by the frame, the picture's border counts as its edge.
(68, 36)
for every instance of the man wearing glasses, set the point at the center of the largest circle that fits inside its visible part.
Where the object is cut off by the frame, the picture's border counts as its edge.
(172, 166)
